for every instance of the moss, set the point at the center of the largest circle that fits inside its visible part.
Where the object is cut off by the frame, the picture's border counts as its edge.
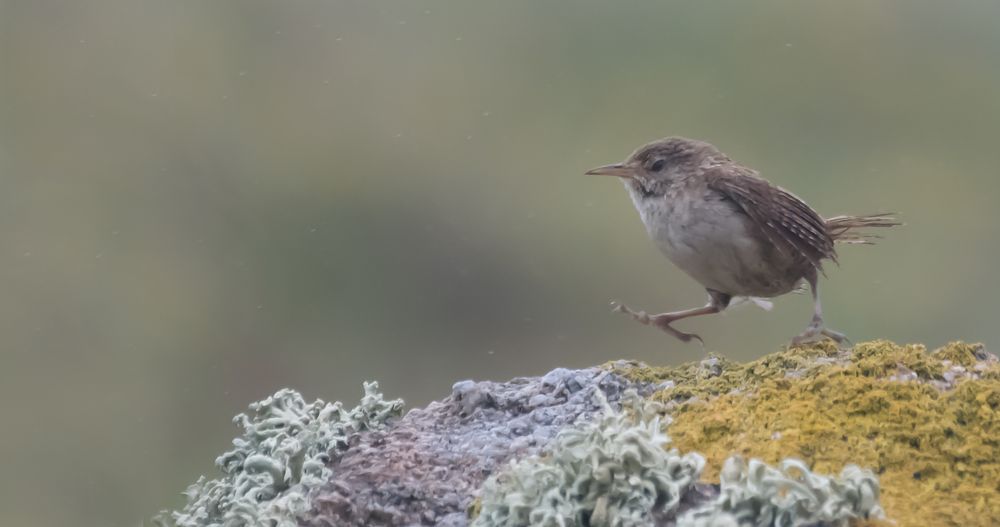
(936, 451)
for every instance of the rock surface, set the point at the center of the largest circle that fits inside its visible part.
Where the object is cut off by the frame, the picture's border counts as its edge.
(711, 443)
(426, 467)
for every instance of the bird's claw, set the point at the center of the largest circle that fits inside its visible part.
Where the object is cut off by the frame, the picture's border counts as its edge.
(661, 321)
(664, 324)
(837, 336)
(686, 337)
(815, 333)
(639, 316)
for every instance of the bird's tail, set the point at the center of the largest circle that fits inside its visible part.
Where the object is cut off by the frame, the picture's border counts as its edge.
(845, 229)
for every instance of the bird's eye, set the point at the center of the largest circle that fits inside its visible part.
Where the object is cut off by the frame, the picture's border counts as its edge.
(657, 165)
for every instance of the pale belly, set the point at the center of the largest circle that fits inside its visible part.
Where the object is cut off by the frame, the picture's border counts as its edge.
(710, 242)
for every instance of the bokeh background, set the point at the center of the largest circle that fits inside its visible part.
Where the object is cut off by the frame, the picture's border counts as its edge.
(201, 202)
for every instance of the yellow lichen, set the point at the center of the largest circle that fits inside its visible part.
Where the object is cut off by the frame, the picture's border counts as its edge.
(937, 452)
(474, 508)
(696, 380)
(883, 359)
(959, 353)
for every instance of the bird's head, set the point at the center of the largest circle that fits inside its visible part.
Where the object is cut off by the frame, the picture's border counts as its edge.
(652, 167)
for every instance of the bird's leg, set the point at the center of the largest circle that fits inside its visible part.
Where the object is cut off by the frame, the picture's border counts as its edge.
(816, 328)
(717, 302)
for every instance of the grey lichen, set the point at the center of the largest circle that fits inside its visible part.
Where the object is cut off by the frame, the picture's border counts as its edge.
(282, 454)
(755, 494)
(612, 471)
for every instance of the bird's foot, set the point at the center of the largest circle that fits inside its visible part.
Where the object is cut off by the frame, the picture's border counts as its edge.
(816, 332)
(661, 321)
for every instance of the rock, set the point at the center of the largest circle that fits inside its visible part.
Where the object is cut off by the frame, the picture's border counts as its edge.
(425, 468)
(921, 420)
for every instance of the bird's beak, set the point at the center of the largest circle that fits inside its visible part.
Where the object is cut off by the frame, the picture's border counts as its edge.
(618, 170)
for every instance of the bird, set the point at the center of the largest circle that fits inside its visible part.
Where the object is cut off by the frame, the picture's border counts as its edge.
(732, 231)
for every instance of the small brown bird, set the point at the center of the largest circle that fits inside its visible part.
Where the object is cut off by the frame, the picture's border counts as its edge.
(731, 230)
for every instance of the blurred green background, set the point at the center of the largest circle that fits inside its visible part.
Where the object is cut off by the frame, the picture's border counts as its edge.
(201, 202)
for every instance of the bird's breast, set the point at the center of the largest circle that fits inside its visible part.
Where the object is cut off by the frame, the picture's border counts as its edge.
(714, 243)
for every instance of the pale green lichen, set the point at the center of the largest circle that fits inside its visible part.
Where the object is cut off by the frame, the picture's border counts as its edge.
(757, 495)
(613, 470)
(616, 472)
(281, 455)
(711, 518)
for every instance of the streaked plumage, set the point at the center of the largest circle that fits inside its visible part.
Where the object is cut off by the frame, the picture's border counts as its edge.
(731, 230)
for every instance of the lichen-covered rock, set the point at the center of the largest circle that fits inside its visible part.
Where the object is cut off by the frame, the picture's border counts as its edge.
(615, 471)
(282, 454)
(571, 449)
(927, 423)
(753, 494)
(427, 468)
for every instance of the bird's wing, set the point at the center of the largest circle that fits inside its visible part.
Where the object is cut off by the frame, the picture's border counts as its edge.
(783, 218)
